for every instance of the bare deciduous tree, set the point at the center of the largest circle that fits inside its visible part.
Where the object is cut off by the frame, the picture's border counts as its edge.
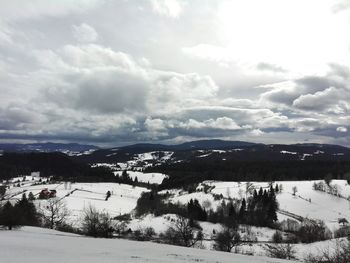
(181, 233)
(55, 212)
(97, 224)
(340, 254)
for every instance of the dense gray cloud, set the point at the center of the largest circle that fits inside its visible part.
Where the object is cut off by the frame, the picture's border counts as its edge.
(116, 72)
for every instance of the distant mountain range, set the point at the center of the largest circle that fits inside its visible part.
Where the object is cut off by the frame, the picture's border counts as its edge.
(68, 148)
(204, 149)
(220, 150)
(185, 163)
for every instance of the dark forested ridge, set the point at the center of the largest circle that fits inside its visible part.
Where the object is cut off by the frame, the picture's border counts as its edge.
(50, 164)
(193, 162)
(196, 171)
(46, 147)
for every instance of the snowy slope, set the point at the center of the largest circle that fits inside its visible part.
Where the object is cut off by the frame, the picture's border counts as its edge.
(152, 178)
(78, 196)
(42, 245)
(306, 203)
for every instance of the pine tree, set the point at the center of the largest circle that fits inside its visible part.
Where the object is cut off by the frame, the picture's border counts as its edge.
(242, 211)
(31, 197)
(26, 211)
(9, 216)
(277, 189)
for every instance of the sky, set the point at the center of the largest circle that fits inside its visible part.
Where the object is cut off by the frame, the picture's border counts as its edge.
(115, 72)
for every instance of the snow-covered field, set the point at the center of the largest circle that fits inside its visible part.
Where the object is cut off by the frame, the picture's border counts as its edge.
(36, 245)
(78, 196)
(306, 203)
(152, 178)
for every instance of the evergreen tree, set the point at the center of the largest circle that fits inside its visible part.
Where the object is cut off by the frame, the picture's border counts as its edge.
(26, 211)
(242, 211)
(9, 216)
(31, 196)
(277, 188)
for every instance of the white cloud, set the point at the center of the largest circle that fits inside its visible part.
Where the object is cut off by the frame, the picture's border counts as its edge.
(84, 33)
(222, 123)
(170, 8)
(18, 9)
(342, 129)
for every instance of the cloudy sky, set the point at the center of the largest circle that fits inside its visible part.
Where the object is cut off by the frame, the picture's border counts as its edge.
(113, 72)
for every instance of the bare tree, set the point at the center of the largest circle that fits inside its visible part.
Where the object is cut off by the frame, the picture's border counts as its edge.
(181, 233)
(340, 254)
(55, 212)
(97, 224)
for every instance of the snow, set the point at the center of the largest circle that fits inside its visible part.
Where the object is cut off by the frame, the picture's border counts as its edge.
(143, 160)
(79, 196)
(205, 200)
(305, 155)
(149, 156)
(203, 155)
(38, 245)
(287, 152)
(323, 206)
(152, 178)
(108, 165)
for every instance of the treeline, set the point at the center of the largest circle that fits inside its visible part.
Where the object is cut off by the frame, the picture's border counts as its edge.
(196, 171)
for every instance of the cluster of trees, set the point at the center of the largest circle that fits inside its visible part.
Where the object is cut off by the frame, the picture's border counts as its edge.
(313, 231)
(327, 187)
(22, 213)
(259, 210)
(195, 211)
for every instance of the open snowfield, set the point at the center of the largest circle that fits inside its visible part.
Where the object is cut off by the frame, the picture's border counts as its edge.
(36, 245)
(78, 196)
(152, 178)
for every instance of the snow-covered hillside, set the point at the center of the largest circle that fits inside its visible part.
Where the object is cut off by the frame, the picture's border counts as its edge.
(79, 196)
(307, 202)
(42, 245)
(152, 178)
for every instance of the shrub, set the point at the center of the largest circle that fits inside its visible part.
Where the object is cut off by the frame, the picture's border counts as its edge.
(284, 251)
(180, 233)
(227, 239)
(341, 254)
(277, 237)
(97, 224)
(144, 234)
(343, 231)
(314, 231)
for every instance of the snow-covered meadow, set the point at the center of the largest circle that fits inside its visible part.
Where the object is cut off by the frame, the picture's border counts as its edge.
(78, 196)
(42, 245)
